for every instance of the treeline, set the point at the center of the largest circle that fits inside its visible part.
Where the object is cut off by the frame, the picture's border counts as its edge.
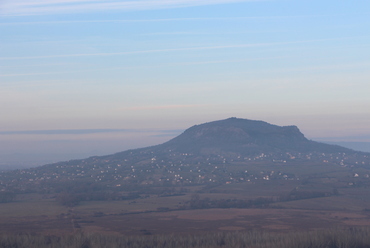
(73, 199)
(7, 196)
(71, 193)
(197, 203)
(329, 238)
(306, 194)
(203, 203)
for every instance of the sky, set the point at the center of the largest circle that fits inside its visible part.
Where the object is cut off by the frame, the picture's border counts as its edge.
(90, 77)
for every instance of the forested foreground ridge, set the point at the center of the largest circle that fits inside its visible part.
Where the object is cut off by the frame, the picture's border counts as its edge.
(332, 238)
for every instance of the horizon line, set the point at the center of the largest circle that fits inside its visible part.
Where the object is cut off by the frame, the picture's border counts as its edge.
(88, 131)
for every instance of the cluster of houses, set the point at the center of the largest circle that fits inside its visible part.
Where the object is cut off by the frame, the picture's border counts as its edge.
(146, 167)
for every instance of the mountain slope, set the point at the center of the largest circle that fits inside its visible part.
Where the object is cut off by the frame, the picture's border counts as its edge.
(214, 152)
(233, 138)
(246, 137)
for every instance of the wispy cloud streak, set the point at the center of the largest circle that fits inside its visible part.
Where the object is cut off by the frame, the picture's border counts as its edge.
(178, 49)
(160, 107)
(167, 20)
(136, 52)
(293, 69)
(47, 7)
(86, 131)
(135, 67)
(354, 138)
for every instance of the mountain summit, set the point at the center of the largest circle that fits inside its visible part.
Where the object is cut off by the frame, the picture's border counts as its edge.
(245, 137)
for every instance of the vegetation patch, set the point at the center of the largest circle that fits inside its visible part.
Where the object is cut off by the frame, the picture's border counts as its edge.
(333, 238)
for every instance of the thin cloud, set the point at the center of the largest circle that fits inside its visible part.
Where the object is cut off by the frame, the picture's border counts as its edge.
(47, 7)
(293, 69)
(211, 33)
(168, 19)
(129, 20)
(160, 107)
(87, 131)
(49, 2)
(38, 73)
(354, 138)
(135, 67)
(120, 21)
(138, 52)
(178, 49)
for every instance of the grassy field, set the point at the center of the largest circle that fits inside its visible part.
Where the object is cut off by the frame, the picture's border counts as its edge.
(158, 215)
(138, 205)
(145, 216)
(32, 208)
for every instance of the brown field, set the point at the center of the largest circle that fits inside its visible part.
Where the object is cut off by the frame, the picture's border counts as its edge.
(152, 214)
(46, 217)
(212, 220)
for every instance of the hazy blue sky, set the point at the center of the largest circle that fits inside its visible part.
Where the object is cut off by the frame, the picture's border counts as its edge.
(125, 74)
